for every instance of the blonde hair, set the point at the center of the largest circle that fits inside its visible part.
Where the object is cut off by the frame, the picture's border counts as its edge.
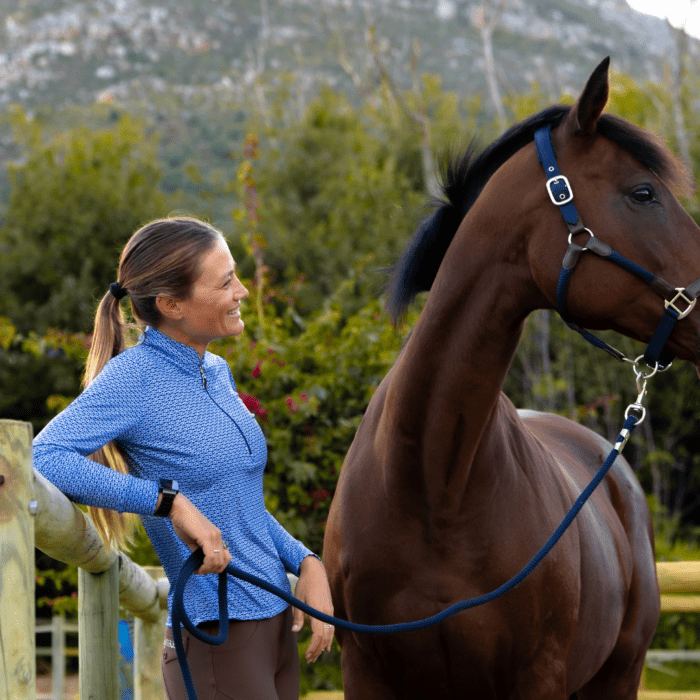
(161, 258)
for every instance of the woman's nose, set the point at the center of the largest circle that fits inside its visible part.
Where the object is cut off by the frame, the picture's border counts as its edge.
(241, 291)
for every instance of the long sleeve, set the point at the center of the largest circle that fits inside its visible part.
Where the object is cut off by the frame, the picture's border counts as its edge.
(291, 552)
(106, 410)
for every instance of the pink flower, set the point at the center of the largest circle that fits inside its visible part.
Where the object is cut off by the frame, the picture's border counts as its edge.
(253, 405)
(256, 372)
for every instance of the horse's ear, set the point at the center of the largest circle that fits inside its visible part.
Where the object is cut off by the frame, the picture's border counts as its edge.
(584, 115)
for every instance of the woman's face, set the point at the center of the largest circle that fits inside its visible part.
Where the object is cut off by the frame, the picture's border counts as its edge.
(213, 308)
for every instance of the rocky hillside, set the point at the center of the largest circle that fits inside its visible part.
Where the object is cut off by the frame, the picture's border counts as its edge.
(66, 52)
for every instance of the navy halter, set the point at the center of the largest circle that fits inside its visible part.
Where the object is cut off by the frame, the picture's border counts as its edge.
(656, 355)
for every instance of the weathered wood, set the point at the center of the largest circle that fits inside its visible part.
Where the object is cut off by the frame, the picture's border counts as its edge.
(679, 576)
(58, 655)
(681, 603)
(107, 578)
(98, 634)
(139, 593)
(17, 637)
(148, 645)
(67, 534)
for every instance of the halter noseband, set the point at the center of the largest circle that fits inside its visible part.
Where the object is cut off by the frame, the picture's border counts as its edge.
(656, 355)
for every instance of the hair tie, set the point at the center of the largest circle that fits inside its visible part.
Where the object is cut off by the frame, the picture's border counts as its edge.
(118, 292)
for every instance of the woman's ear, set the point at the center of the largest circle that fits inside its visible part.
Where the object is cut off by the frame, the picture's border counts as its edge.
(169, 307)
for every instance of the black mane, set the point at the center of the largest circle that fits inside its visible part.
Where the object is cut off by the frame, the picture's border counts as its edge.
(465, 176)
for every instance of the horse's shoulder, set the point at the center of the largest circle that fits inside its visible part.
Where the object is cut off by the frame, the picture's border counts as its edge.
(574, 446)
(564, 430)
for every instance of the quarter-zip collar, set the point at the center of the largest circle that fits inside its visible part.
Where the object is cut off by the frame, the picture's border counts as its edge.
(180, 354)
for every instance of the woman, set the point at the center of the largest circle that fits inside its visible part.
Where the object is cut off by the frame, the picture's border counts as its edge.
(186, 455)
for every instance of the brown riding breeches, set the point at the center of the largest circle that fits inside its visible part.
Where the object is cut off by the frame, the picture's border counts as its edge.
(258, 661)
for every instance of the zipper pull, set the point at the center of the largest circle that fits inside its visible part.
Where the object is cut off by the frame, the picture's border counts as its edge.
(204, 379)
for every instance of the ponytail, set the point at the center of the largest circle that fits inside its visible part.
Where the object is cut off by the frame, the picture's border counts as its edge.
(108, 340)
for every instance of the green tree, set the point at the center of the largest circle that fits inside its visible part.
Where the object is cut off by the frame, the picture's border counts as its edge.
(75, 199)
(335, 190)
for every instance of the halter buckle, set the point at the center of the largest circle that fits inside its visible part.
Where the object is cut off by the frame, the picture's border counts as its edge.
(563, 197)
(681, 295)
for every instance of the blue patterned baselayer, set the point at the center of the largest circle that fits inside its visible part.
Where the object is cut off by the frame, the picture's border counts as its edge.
(176, 416)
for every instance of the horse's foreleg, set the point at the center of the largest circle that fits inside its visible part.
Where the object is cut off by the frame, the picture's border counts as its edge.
(362, 679)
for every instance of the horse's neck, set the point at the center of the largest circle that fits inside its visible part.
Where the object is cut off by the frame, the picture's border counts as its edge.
(442, 404)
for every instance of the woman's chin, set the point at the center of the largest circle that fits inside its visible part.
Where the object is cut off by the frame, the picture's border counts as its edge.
(236, 328)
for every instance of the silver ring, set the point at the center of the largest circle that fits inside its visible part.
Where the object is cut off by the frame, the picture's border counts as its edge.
(217, 551)
(225, 545)
(327, 627)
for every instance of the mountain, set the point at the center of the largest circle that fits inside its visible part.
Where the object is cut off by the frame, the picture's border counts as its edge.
(62, 52)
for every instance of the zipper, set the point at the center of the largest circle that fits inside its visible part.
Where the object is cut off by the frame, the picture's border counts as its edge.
(204, 384)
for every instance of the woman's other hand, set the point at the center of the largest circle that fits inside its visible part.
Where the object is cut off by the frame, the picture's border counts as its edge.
(312, 588)
(195, 530)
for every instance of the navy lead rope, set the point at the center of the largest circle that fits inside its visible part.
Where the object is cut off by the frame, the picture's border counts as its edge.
(560, 192)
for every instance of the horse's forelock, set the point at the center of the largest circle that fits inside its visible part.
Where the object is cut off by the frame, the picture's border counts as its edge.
(650, 150)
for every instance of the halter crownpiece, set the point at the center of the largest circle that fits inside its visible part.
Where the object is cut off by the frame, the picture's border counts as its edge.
(561, 194)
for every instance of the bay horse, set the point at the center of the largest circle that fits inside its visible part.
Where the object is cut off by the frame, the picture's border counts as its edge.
(447, 491)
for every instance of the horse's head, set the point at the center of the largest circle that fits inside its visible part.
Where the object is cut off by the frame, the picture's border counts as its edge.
(623, 180)
(498, 211)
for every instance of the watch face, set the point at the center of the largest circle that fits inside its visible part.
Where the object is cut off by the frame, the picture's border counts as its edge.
(175, 485)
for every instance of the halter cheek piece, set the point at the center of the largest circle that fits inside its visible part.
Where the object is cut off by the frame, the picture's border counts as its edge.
(656, 355)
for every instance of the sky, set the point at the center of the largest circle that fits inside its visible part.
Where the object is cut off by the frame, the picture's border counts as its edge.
(677, 11)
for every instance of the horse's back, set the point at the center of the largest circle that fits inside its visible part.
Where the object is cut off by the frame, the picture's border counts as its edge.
(616, 536)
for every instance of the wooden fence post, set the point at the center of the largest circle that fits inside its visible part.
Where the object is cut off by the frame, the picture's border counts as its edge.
(17, 583)
(98, 634)
(148, 646)
(58, 655)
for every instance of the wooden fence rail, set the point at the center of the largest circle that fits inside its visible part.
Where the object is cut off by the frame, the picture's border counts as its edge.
(33, 512)
(676, 580)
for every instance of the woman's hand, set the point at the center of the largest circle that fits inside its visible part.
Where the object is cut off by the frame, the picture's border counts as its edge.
(312, 588)
(195, 531)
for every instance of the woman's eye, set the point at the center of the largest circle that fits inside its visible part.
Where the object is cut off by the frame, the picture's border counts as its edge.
(643, 195)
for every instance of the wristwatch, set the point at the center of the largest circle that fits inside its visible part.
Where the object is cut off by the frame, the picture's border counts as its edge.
(169, 489)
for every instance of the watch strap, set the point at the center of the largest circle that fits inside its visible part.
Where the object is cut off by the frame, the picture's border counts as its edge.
(169, 489)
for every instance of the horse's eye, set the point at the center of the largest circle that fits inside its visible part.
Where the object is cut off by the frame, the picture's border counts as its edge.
(643, 195)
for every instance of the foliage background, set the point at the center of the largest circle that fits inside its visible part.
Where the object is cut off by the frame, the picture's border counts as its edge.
(314, 207)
